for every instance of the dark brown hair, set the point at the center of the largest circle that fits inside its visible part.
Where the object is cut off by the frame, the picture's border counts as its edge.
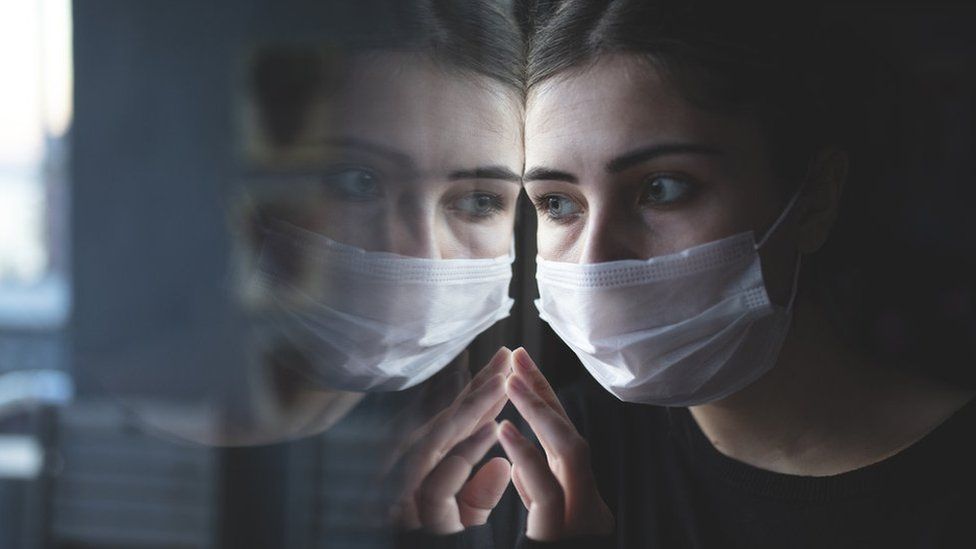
(782, 67)
(811, 85)
(464, 37)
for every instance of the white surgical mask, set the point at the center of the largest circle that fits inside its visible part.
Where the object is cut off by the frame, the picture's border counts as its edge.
(379, 321)
(676, 330)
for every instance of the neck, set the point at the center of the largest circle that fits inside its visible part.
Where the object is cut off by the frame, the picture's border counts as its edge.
(823, 410)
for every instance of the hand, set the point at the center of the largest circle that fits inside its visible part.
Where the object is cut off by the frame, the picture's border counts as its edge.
(559, 490)
(438, 495)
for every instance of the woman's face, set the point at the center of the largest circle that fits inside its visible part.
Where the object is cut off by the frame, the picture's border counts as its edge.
(414, 160)
(620, 166)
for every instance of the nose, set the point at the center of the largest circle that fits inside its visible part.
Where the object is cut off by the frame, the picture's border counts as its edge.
(412, 232)
(609, 237)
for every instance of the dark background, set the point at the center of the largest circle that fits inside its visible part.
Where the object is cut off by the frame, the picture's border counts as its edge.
(155, 163)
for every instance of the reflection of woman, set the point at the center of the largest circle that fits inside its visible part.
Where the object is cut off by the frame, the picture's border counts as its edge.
(389, 148)
(411, 144)
(686, 170)
(386, 246)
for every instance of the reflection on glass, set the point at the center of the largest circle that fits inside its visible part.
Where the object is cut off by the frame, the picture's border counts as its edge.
(384, 242)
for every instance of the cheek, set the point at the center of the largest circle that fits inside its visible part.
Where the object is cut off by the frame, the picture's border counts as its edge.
(672, 232)
(462, 238)
(557, 242)
(360, 224)
(721, 211)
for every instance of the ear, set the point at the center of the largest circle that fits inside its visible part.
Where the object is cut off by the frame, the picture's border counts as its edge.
(821, 199)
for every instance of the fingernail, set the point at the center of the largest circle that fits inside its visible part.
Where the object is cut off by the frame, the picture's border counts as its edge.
(499, 356)
(507, 431)
(486, 431)
(516, 383)
(523, 360)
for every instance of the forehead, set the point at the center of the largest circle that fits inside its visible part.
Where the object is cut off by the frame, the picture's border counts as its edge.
(407, 102)
(619, 102)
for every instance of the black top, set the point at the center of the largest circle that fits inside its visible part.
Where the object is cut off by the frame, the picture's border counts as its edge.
(668, 487)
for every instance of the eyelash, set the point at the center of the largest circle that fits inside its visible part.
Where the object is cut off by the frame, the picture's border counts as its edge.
(542, 206)
(497, 202)
(693, 187)
(496, 206)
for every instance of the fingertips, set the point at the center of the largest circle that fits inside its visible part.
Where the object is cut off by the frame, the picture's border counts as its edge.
(483, 491)
(491, 481)
(522, 453)
(499, 470)
(500, 464)
(525, 369)
(511, 438)
(533, 381)
(490, 390)
(523, 363)
(500, 362)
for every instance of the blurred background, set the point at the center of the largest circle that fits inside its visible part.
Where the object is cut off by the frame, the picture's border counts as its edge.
(121, 166)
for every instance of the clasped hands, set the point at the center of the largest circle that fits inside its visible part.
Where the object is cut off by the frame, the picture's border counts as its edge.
(556, 485)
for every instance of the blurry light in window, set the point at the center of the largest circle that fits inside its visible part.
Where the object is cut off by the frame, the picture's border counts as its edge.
(35, 114)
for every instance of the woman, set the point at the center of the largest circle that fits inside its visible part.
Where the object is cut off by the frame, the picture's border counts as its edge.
(654, 139)
(687, 167)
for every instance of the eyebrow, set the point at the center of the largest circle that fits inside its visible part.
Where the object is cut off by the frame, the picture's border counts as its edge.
(643, 154)
(546, 174)
(403, 159)
(624, 161)
(486, 172)
(393, 155)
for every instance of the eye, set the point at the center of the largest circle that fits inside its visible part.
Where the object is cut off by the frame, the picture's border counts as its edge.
(557, 207)
(355, 184)
(664, 190)
(479, 204)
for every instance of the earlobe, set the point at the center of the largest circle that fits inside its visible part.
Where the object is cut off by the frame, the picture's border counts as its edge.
(821, 202)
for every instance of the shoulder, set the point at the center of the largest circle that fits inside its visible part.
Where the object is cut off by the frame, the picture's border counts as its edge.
(924, 409)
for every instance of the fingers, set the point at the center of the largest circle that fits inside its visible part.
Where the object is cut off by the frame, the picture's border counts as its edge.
(437, 509)
(472, 410)
(448, 501)
(559, 438)
(481, 493)
(473, 448)
(539, 486)
(435, 499)
(520, 488)
(498, 364)
(492, 413)
(451, 428)
(526, 368)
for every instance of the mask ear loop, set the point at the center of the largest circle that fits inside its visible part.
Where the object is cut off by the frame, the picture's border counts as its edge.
(776, 224)
(796, 281)
(786, 210)
(782, 216)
